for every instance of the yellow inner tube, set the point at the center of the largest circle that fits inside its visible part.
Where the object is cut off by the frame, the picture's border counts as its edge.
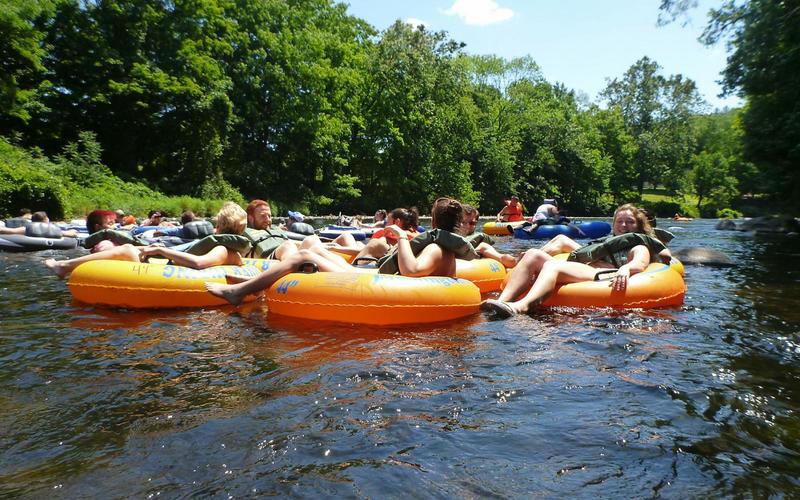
(371, 298)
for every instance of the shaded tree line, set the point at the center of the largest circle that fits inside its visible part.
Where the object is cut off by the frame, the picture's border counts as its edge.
(299, 102)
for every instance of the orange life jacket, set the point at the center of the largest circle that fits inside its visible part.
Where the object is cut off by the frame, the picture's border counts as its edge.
(514, 211)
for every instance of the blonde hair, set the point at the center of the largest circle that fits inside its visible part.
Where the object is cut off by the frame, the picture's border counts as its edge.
(231, 219)
(642, 224)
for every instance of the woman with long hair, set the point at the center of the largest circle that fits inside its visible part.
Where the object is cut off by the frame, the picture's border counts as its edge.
(539, 273)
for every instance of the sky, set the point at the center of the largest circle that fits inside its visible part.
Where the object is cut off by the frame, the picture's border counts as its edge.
(580, 43)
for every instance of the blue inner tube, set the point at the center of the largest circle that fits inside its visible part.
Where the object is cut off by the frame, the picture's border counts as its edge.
(595, 229)
(545, 232)
(590, 230)
(334, 231)
(21, 243)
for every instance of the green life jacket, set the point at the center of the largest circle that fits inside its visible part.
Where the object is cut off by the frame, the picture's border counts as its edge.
(264, 241)
(115, 237)
(449, 241)
(476, 239)
(233, 242)
(614, 249)
(42, 230)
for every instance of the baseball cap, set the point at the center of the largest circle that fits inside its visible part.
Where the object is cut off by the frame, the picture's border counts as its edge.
(296, 216)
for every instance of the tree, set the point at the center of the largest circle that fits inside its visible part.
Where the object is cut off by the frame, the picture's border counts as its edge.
(297, 73)
(21, 53)
(711, 180)
(656, 111)
(619, 147)
(413, 142)
(763, 40)
(496, 144)
(145, 77)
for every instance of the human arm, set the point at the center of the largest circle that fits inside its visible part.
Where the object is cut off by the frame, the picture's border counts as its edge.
(12, 230)
(169, 231)
(502, 212)
(410, 265)
(665, 256)
(638, 261)
(217, 256)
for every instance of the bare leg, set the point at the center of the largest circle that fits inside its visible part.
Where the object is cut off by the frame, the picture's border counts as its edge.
(62, 268)
(348, 241)
(310, 241)
(560, 244)
(524, 274)
(332, 257)
(376, 248)
(236, 293)
(488, 251)
(286, 249)
(553, 272)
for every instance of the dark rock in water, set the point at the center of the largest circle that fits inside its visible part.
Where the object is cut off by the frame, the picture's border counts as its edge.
(703, 256)
(770, 224)
(725, 225)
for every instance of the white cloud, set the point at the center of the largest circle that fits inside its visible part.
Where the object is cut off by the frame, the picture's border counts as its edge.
(413, 21)
(479, 12)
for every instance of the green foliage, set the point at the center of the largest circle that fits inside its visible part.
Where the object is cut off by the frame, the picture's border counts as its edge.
(21, 61)
(656, 111)
(668, 208)
(72, 185)
(217, 188)
(711, 180)
(763, 39)
(728, 213)
(302, 104)
(27, 181)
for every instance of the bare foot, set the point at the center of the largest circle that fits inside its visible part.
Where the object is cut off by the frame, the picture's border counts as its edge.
(225, 292)
(57, 268)
(233, 279)
(499, 309)
(508, 260)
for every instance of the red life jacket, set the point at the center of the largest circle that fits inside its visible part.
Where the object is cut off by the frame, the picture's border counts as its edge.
(514, 212)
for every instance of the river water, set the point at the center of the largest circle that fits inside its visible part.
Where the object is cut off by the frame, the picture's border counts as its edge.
(695, 401)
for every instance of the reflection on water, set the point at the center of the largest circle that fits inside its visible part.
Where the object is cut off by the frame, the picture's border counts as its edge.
(692, 401)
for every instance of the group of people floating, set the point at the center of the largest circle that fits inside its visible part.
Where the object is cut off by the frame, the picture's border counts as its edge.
(396, 248)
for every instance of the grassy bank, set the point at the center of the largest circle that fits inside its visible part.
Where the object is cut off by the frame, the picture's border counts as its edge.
(76, 182)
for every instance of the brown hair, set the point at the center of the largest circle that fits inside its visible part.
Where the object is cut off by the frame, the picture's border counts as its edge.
(39, 217)
(187, 216)
(447, 214)
(404, 218)
(95, 219)
(251, 207)
(642, 224)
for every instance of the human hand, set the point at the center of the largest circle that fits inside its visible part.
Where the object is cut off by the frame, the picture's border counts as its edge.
(148, 251)
(620, 280)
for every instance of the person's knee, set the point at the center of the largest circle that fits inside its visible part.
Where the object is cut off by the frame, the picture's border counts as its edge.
(534, 255)
(310, 241)
(550, 266)
(285, 249)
